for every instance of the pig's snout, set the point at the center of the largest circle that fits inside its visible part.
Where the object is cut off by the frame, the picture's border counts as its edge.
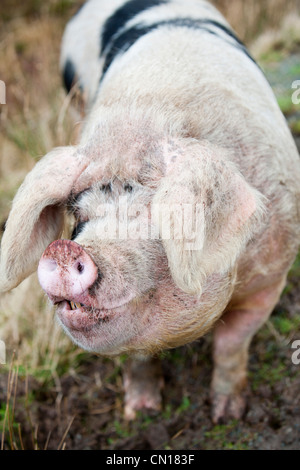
(66, 270)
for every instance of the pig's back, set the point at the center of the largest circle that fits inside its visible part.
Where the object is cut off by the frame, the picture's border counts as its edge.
(102, 31)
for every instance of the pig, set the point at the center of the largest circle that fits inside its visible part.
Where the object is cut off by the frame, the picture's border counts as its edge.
(184, 188)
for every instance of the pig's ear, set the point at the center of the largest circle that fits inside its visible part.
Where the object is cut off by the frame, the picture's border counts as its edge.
(206, 213)
(36, 217)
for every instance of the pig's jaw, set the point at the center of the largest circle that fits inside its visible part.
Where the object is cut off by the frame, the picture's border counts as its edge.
(106, 331)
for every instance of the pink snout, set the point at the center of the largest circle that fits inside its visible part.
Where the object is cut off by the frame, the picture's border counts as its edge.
(66, 271)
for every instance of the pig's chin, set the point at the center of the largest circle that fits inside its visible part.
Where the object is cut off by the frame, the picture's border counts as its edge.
(104, 331)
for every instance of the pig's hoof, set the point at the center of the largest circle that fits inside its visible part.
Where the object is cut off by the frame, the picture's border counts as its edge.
(227, 407)
(141, 401)
(143, 384)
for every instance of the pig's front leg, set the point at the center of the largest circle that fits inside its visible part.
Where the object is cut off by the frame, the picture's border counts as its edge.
(232, 338)
(143, 383)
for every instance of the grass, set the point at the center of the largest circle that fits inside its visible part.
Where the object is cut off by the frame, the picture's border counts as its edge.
(228, 437)
(11, 429)
(285, 325)
(19, 428)
(252, 18)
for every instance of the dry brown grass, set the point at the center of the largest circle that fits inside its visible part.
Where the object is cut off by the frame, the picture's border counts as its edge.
(29, 51)
(31, 124)
(251, 18)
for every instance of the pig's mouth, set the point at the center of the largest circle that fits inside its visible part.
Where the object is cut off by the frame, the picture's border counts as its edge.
(107, 328)
(95, 315)
(80, 317)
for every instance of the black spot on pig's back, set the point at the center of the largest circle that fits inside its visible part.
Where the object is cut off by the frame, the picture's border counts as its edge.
(117, 21)
(124, 37)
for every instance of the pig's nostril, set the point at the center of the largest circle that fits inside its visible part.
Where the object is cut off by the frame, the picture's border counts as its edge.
(80, 268)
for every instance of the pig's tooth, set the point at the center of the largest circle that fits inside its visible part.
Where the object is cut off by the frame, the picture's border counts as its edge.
(74, 305)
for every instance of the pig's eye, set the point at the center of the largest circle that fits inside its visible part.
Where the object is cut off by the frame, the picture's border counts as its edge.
(77, 229)
(128, 188)
(106, 188)
(72, 203)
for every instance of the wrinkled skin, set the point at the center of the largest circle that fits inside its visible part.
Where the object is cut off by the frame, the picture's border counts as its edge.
(147, 287)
